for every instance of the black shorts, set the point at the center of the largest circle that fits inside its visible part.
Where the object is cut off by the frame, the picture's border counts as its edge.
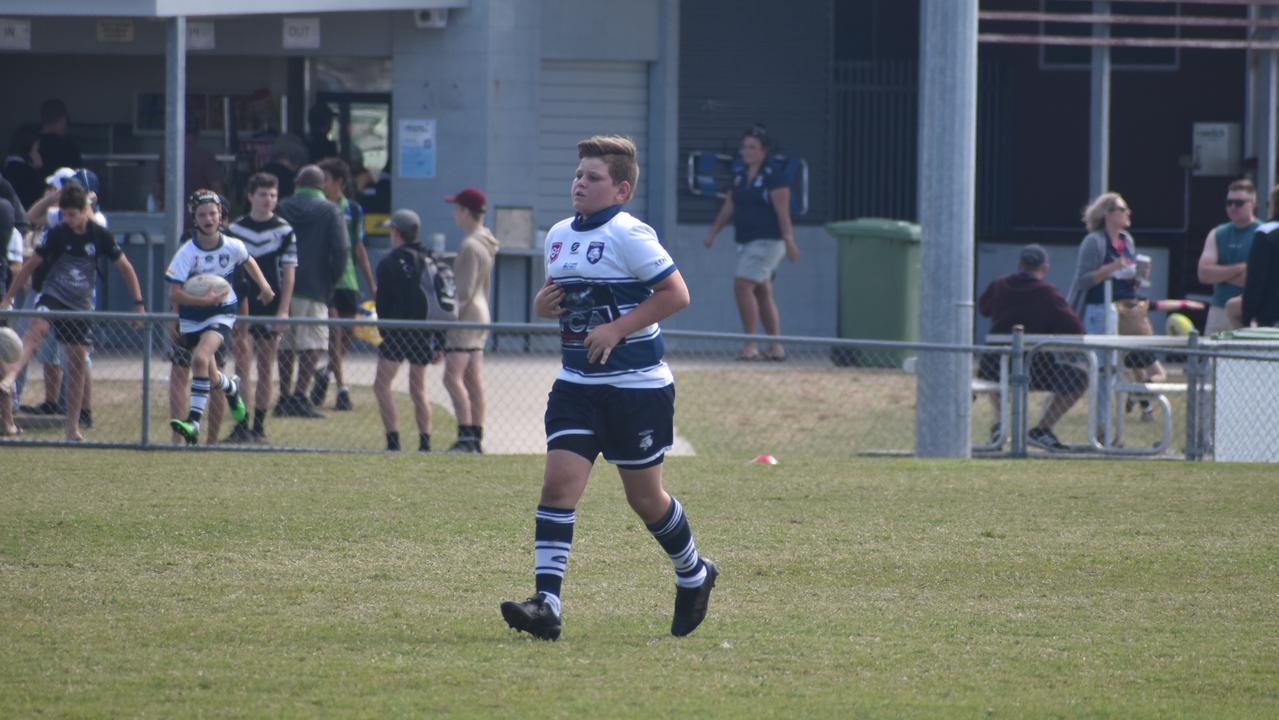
(258, 331)
(180, 354)
(67, 332)
(416, 346)
(633, 428)
(345, 302)
(1046, 373)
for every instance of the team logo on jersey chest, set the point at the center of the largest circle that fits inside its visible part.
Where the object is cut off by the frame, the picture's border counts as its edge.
(594, 252)
(555, 250)
(572, 249)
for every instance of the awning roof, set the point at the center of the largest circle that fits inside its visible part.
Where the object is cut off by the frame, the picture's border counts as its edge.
(205, 8)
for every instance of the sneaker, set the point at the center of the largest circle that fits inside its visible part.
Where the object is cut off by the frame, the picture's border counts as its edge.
(691, 603)
(320, 387)
(533, 616)
(188, 430)
(239, 436)
(343, 402)
(1044, 438)
(257, 437)
(464, 447)
(44, 408)
(235, 402)
(286, 406)
(301, 407)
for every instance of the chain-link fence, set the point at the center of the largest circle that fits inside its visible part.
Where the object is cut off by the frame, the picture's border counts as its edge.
(834, 398)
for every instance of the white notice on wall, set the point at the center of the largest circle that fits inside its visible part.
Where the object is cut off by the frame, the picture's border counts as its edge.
(417, 148)
(200, 35)
(15, 34)
(301, 33)
(115, 30)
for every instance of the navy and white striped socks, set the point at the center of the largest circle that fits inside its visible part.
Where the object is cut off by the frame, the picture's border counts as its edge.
(199, 399)
(552, 540)
(676, 538)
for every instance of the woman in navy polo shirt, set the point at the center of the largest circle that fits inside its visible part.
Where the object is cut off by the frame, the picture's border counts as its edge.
(759, 206)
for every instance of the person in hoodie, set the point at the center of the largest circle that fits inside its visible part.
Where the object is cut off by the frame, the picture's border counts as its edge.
(323, 247)
(1025, 298)
(464, 349)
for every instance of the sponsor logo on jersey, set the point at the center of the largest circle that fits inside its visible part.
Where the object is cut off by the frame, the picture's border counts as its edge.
(224, 260)
(572, 249)
(595, 252)
(555, 250)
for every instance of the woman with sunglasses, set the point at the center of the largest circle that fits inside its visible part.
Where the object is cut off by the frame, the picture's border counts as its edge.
(1108, 252)
(759, 206)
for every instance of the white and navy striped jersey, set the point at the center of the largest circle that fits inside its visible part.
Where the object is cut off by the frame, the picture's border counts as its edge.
(223, 259)
(271, 242)
(607, 265)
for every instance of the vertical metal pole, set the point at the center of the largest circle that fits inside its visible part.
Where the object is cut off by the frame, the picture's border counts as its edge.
(1099, 120)
(148, 344)
(175, 110)
(947, 176)
(1266, 75)
(1194, 447)
(1019, 384)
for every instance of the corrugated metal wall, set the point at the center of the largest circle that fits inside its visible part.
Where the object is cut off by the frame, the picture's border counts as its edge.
(580, 99)
(749, 61)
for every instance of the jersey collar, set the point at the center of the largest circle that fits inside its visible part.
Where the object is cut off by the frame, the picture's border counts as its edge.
(582, 224)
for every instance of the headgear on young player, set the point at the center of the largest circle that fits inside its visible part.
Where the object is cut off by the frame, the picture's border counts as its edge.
(203, 197)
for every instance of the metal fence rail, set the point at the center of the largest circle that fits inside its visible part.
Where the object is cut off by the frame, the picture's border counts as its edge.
(828, 398)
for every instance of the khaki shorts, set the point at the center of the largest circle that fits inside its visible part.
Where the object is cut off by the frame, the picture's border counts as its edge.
(1218, 321)
(307, 337)
(757, 260)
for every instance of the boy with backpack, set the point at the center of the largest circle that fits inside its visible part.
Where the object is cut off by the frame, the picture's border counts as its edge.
(411, 285)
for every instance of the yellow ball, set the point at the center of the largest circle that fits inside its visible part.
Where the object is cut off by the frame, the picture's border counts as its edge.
(368, 333)
(1178, 325)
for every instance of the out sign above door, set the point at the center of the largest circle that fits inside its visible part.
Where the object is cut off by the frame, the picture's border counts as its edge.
(301, 33)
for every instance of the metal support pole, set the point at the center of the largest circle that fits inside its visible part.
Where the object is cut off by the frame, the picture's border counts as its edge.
(1266, 76)
(1194, 444)
(947, 176)
(1019, 390)
(148, 345)
(1099, 119)
(175, 110)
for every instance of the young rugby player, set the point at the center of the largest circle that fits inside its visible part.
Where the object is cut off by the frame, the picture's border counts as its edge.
(273, 245)
(609, 282)
(205, 321)
(71, 248)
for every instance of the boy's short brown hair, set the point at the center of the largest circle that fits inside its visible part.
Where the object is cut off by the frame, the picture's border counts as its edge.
(73, 196)
(1243, 185)
(617, 152)
(262, 180)
(337, 169)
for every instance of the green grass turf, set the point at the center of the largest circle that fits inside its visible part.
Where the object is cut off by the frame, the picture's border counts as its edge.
(167, 584)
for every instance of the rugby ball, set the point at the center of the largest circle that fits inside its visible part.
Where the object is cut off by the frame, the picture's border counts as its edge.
(201, 285)
(10, 345)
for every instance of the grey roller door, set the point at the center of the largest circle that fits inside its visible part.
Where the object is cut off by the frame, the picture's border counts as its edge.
(580, 99)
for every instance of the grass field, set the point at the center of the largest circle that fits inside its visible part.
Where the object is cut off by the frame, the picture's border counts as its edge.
(150, 585)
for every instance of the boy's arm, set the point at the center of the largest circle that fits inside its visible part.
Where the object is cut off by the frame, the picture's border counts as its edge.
(669, 297)
(287, 275)
(366, 268)
(721, 219)
(20, 280)
(38, 215)
(265, 293)
(131, 281)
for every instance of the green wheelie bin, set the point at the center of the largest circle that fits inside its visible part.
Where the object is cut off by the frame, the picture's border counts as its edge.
(878, 287)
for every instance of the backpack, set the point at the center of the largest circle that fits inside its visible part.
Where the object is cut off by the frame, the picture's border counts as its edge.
(437, 284)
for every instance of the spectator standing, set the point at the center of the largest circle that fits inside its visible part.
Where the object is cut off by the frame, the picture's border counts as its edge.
(272, 244)
(8, 270)
(1025, 298)
(23, 164)
(70, 250)
(288, 153)
(1261, 290)
(759, 206)
(400, 297)
(319, 120)
(323, 251)
(346, 297)
(57, 148)
(1223, 262)
(464, 349)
